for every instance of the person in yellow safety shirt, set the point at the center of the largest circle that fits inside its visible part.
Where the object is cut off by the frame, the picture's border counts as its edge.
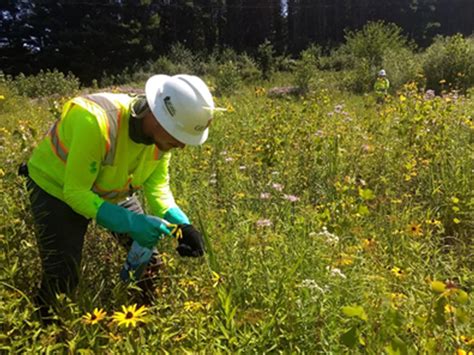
(103, 149)
(381, 86)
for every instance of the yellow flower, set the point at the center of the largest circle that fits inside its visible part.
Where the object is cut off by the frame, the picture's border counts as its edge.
(466, 340)
(463, 352)
(449, 309)
(368, 243)
(94, 317)
(415, 229)
(438, 286)
(130, 315)
(396, 299)
(2, 97)
(192, 306)
(397, 271)
(442, 81)
(216, 279)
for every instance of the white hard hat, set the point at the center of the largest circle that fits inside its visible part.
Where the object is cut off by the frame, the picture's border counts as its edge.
(182, 104)
(382, 72)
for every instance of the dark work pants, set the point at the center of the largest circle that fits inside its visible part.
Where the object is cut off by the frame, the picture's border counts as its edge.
(60, 236)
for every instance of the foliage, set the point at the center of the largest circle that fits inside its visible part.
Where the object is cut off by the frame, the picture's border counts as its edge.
(227, 78)
(449, 63)
(265, 59)
(305, 67)
(332, 225)
(377, 45)
(46, 83)
(372, 42)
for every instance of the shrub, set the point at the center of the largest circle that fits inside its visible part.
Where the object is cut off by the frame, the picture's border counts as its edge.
(372, 42)
(265, 58)
(368, 50)
(227, 78)
(402, 66)
(305, 67)
(46, 83)
(449, 62)
(248, 68)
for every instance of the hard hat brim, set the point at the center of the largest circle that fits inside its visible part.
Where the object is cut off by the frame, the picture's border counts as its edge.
(153, 91)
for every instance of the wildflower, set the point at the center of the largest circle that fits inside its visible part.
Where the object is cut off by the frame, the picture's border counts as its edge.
(264, 196)
(278, 187)
(456, 220)
(449, 309)
(229, 159)
(2, 97)
(336, 272)
(291, 198)
(396, 299)
(264, 223)
(94, 317)
(216, 279)
(397, 271)
(463, 352)
(429, 94)
(230, 108)
(330, 238)
(311, 284)
(344, 260)
(130, 316)
(212, 181)
(338, 108)
(442, 81)
(368, 243)
(466, 340)
(415, 229)
(192, 306)
(239, 195)
(242, 167)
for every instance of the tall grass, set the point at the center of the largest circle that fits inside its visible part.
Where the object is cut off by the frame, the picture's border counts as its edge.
(333, 225)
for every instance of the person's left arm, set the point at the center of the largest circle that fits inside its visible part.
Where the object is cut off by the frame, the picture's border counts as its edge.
(161, 201)
(159, 196)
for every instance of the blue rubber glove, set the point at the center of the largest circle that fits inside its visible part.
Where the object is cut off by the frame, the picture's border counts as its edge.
(176, 216)
(144, 229)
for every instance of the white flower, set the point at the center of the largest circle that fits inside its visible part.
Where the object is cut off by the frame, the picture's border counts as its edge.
(264, 223)
(336, 272)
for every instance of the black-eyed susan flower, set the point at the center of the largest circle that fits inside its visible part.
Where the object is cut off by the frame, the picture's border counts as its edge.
(130, 316)
(415, 229)
(94, 317)
(463, 352)
(397, 271)
(466, 340)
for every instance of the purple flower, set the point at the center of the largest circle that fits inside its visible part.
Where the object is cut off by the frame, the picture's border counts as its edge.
(264, 223)
(278, 187)
(291, 198)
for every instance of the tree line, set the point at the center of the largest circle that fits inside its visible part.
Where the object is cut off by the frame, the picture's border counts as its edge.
(91, 37)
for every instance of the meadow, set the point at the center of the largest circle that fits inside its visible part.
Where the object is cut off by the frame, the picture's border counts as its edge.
(332, 224)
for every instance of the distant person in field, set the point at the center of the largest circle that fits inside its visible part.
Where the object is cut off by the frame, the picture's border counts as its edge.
(381, 86)
(103, 150)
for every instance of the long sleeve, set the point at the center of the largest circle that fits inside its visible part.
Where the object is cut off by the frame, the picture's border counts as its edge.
(157, 188)
(86, 151)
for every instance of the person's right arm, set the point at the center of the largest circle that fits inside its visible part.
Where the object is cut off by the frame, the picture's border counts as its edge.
(86, 152)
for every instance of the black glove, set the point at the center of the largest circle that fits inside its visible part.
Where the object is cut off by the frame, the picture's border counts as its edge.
(191, 243)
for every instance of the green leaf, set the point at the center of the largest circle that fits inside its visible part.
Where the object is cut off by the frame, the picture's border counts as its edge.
(363, 210)
(366, 194)
(462, 296)
(355, 311)
(350, 337)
